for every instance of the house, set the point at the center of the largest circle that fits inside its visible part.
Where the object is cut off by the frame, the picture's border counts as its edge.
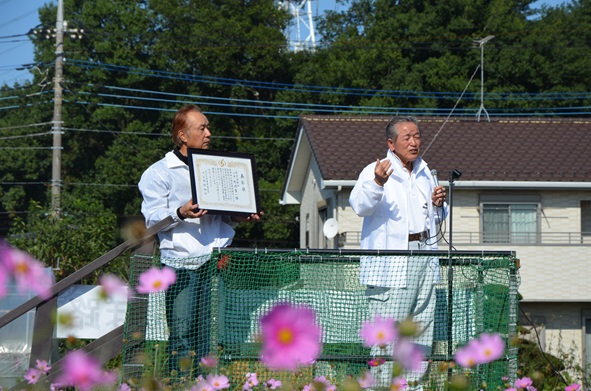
(525, 186)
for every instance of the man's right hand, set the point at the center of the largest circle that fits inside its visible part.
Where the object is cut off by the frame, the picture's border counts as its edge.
(382, 171)
(192, 211)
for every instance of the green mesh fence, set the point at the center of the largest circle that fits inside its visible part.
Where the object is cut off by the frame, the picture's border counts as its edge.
(477, 294)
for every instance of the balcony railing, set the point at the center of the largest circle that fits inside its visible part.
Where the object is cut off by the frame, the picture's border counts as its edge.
(353, 238)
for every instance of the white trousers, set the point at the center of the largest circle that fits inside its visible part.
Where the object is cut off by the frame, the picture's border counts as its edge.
(416, 300)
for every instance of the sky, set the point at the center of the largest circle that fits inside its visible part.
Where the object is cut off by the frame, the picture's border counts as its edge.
(19, 16)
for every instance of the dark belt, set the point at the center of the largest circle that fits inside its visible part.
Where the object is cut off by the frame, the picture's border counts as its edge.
(421, 236)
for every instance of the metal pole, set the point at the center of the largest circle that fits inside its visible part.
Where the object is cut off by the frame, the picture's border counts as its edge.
(56, 129)
(482, 75)
(481, 43)
(450, 277)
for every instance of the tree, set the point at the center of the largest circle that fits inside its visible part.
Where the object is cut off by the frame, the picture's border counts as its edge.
(136, 64)
(77, 238)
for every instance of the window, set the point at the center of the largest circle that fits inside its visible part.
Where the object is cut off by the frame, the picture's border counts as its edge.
(510, 223)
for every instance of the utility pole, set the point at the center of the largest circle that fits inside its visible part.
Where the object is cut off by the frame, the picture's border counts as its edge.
(57, 125)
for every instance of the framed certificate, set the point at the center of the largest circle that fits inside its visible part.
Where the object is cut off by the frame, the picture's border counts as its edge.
(224, 182)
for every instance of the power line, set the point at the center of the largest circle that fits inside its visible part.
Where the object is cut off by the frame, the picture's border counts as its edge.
(294, 105)
(22, 16)
(174, 110)
(408, 94)
(25, 126)
(24, 183)
(95, 184)
(168, 135)
(24, 148)
(26, 135)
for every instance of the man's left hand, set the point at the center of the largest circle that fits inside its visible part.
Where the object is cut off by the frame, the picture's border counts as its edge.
(438, 196)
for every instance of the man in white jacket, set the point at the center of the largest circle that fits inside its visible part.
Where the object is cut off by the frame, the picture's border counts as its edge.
(401, 207)
(187, 244)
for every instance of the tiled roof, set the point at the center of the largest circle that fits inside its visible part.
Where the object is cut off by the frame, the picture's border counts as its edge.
(526, 149)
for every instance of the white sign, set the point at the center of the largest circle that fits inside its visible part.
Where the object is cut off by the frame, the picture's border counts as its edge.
(92, 315)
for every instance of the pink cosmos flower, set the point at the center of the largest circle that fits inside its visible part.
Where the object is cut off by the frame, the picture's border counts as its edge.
(28, 272)
(218, 382)
(320, 384)
(43, 366)
(290, 337)
(32, 375)
(112, 286)
(491, 348)
(408, 354)
(251, 381)
(156, 280)
(273, 384)
(376, 362)
(56, 387)
(3, 279)
(467, 356)
(124, 387)
(378, 332)
(83, 371)
(573, 387)
(326, 384)
(510, 389)
(209, 362)
(398, 384)
(366, 380)
(524, 382)
(202, 386)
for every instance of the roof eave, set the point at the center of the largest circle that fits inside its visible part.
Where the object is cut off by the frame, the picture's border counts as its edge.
(329, 183)
(520, 185)
(297, 167)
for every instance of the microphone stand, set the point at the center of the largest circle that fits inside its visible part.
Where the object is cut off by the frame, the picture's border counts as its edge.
(452, 176)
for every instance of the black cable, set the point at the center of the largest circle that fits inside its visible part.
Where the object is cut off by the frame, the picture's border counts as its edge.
(540, 347)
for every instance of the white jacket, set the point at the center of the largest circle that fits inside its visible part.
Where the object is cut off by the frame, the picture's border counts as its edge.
(385, 219)
(165, 186)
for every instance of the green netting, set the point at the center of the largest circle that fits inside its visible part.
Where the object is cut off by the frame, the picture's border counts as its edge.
(481, 288)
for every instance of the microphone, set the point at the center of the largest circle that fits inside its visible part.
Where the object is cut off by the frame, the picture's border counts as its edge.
(434, 175)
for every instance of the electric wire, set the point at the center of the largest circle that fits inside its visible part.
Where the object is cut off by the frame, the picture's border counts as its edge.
(451, 112)
(26, 136)
(503, 96)
(25, 126)
(168, 135)
(554, 370)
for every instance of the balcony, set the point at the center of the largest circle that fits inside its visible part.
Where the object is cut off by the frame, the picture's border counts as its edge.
(352, 239)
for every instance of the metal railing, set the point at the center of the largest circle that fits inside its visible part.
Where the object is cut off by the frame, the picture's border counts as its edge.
(103, 348)
(353, 238)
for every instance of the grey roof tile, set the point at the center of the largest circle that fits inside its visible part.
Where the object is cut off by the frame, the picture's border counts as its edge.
(526, 149)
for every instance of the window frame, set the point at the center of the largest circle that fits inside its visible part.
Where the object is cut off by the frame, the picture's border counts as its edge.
(511, 200)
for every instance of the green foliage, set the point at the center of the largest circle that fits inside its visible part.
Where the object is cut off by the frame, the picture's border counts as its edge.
(546, 370)
(138, 62)
(85, 232)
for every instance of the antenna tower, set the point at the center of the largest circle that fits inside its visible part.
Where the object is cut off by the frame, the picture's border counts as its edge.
(300, 31)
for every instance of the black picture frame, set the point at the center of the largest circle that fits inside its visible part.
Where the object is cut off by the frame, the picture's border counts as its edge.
(224, 183)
